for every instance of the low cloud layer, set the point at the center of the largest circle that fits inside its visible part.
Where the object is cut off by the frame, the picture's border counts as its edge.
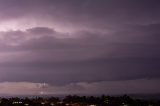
(105, 87)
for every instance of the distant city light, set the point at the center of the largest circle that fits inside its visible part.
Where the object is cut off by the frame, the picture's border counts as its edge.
(17, 102)
(42, 103)
(52, 104)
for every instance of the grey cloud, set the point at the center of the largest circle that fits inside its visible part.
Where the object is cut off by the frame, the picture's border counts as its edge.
(96, 41)
(104, 87)
(80, 58)
(41, 31)
(84, 13)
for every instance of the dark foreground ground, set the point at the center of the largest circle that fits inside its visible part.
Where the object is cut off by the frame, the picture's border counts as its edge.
(79, 101)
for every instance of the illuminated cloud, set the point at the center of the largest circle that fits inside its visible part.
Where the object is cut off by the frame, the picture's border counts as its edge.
(62, 42)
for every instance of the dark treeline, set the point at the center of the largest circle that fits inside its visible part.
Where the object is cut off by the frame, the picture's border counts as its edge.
(74, 100)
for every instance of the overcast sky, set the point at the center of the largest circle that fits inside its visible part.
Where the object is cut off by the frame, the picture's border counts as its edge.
(79, 46)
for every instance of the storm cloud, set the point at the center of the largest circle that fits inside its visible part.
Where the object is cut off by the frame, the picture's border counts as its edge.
(87, 41)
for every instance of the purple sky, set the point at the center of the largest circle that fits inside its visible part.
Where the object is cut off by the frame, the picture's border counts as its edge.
(79, 46)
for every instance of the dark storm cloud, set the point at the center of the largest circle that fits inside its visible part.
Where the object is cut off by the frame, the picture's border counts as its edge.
(80, 59)
(41, 31)
(88, 13)
(62, 42)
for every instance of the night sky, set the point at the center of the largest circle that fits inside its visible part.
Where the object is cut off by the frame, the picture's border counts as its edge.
(79, 47)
